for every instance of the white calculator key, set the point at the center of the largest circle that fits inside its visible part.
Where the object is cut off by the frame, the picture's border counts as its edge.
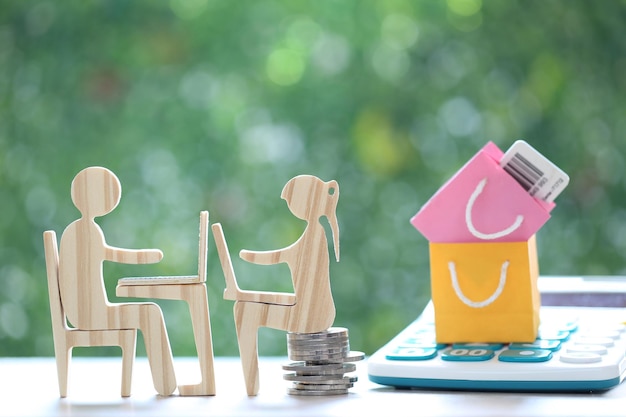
(598, 328)
(600, 333)
(604, 341)
(580, 357)
(598, 349)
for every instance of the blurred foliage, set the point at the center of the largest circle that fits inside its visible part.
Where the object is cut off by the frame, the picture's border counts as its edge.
(214, 104)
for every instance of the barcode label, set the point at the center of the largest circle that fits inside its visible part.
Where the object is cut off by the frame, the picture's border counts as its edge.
(536, 174)
(523, 171)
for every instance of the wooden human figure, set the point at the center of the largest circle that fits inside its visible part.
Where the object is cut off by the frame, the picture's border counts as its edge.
(311, 307)
(96, 191)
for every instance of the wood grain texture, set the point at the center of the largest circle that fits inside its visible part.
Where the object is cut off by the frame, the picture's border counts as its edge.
(232, 291)
(313, 309)
(195, 294)
(203, 248)
(193, 290)
(66, 338)
(96, 191)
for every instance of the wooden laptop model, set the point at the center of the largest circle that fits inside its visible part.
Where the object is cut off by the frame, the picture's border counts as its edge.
(182, 279)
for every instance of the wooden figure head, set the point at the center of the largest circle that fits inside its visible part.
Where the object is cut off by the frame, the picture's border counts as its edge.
(308, 198)
(96, 191)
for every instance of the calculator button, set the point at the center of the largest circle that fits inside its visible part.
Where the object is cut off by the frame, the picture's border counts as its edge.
(422, 334)
(411, 354)
(601, 333)
(467, 355)
(424, 331)
(598, 349)
(548, 334)
(426, 340)
(569, 326)
(603, 341)
(559, 325)
(418, 343)
(580, 357)
(603, 327)
(552, 345)
(525, 355)
(423, 345)
(488, 346)
(424, 328)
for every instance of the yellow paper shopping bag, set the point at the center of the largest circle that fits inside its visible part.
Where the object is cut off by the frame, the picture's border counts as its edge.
(485, 292)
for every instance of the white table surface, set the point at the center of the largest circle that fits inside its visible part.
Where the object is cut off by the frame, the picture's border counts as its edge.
(28, 387)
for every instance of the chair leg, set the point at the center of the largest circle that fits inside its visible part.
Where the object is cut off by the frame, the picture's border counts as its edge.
(128, 344)
(63, 359)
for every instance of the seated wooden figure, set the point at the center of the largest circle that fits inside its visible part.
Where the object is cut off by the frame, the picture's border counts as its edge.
(96, 191)
(310, 308)
(66, 337)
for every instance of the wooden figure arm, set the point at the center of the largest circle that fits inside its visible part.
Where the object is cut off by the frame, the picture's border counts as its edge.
(267, 297)
(133, 256)
(270, 257)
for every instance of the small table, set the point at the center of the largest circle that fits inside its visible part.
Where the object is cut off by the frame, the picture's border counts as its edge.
(28, 387)
(195, 294)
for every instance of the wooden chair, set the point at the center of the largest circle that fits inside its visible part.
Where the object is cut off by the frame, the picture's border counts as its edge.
(66, 337)
(193, 290)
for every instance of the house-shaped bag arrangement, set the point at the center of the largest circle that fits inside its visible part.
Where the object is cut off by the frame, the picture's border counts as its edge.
(481, 227)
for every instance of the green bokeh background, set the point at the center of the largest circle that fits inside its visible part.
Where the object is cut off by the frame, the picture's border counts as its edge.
(214, 105)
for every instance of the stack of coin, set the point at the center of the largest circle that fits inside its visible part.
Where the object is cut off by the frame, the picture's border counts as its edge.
(321, 362)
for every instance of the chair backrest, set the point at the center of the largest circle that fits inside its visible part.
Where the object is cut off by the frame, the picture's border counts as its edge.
(223, 253)
(52, 268)
(203, 243)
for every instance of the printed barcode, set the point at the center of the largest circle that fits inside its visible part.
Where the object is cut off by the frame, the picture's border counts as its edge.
(526, 173)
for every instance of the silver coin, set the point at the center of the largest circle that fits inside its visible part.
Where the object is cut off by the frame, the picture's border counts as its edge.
(315, 352)
(330, 333)
(312, 384)
(324, 347)
(341, 371)
(320, 342)
(323, 340)
(302, 366)
(320, 387)
(336, 357)
(354, 356)
(325, 379)
(320, 345)
(319, 349)
(332, 352)
(329, 351)
(294, 391)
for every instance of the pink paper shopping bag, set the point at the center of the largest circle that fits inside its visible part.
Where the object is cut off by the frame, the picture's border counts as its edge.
(480, 203)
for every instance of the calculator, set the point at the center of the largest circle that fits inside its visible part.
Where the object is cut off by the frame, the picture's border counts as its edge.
(580, 347)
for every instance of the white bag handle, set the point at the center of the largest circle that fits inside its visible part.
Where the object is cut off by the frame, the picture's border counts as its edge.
(470, 225)
(487, 301)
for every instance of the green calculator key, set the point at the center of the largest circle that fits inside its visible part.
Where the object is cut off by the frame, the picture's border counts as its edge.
(525, 355)
(488, 346)
(467, 354)
(411, 354)
(552, 345)
(553, 335)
